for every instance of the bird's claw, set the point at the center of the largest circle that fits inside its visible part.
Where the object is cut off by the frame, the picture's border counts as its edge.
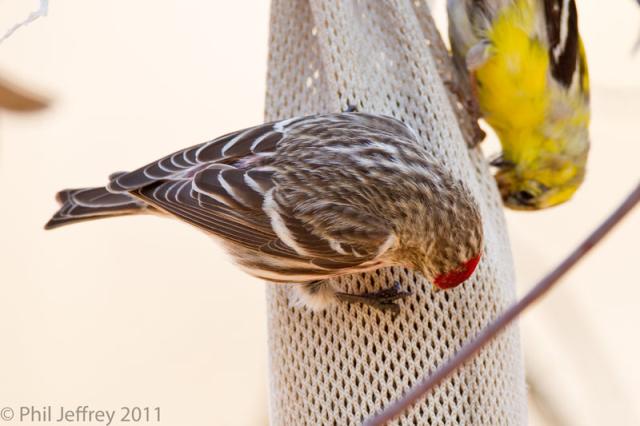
(501, 163)
(384, 300)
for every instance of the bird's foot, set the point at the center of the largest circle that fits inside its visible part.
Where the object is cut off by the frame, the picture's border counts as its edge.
(501, 163)
(383, 300)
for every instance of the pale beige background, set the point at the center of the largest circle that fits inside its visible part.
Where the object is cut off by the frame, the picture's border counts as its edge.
(146, 311)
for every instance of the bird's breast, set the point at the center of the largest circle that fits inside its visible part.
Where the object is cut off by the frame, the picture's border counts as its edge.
(512, 83)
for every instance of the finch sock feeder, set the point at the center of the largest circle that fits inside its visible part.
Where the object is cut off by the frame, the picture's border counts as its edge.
(343, 365)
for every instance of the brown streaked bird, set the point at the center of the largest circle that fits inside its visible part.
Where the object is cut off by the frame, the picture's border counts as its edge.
(307, 199)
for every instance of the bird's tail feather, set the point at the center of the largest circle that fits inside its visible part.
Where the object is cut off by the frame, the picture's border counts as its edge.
(93, 203)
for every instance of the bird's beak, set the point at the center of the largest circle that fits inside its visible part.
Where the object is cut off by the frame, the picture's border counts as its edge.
(516, 203)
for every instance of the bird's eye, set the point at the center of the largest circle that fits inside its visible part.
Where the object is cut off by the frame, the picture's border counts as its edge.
(542, 187)
(525, 196)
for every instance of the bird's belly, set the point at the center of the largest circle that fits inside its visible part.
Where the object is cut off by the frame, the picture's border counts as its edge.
(288, 271)
(512, 83)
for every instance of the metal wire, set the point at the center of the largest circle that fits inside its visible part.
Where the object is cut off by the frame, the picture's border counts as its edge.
(471, 348)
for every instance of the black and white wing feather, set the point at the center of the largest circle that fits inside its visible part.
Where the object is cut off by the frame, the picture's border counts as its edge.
(561, 18)
(82, 204)
(225, 188)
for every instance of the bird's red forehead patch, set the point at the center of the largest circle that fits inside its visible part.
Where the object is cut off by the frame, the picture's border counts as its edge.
(457, 276)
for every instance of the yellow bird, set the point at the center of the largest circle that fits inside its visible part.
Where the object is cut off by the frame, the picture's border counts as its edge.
(529, 74)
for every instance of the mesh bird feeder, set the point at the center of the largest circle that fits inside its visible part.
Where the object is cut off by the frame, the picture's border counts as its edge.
(343, 365)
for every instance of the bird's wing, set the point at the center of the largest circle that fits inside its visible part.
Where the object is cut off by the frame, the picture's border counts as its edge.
(223, 150)
(244, 144)
(561, 18)
(215, 187)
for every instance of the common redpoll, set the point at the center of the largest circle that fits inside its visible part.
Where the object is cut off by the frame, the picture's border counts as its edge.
(306, 199)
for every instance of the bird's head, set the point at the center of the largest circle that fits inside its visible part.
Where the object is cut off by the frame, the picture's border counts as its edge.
(450, 264)
(449, 250)
(451, 278)
(546, 181)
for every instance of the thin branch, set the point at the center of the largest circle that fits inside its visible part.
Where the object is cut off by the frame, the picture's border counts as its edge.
(491, 331)
(42, 11)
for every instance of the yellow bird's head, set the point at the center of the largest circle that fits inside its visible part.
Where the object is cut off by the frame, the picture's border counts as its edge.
(546, 182)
